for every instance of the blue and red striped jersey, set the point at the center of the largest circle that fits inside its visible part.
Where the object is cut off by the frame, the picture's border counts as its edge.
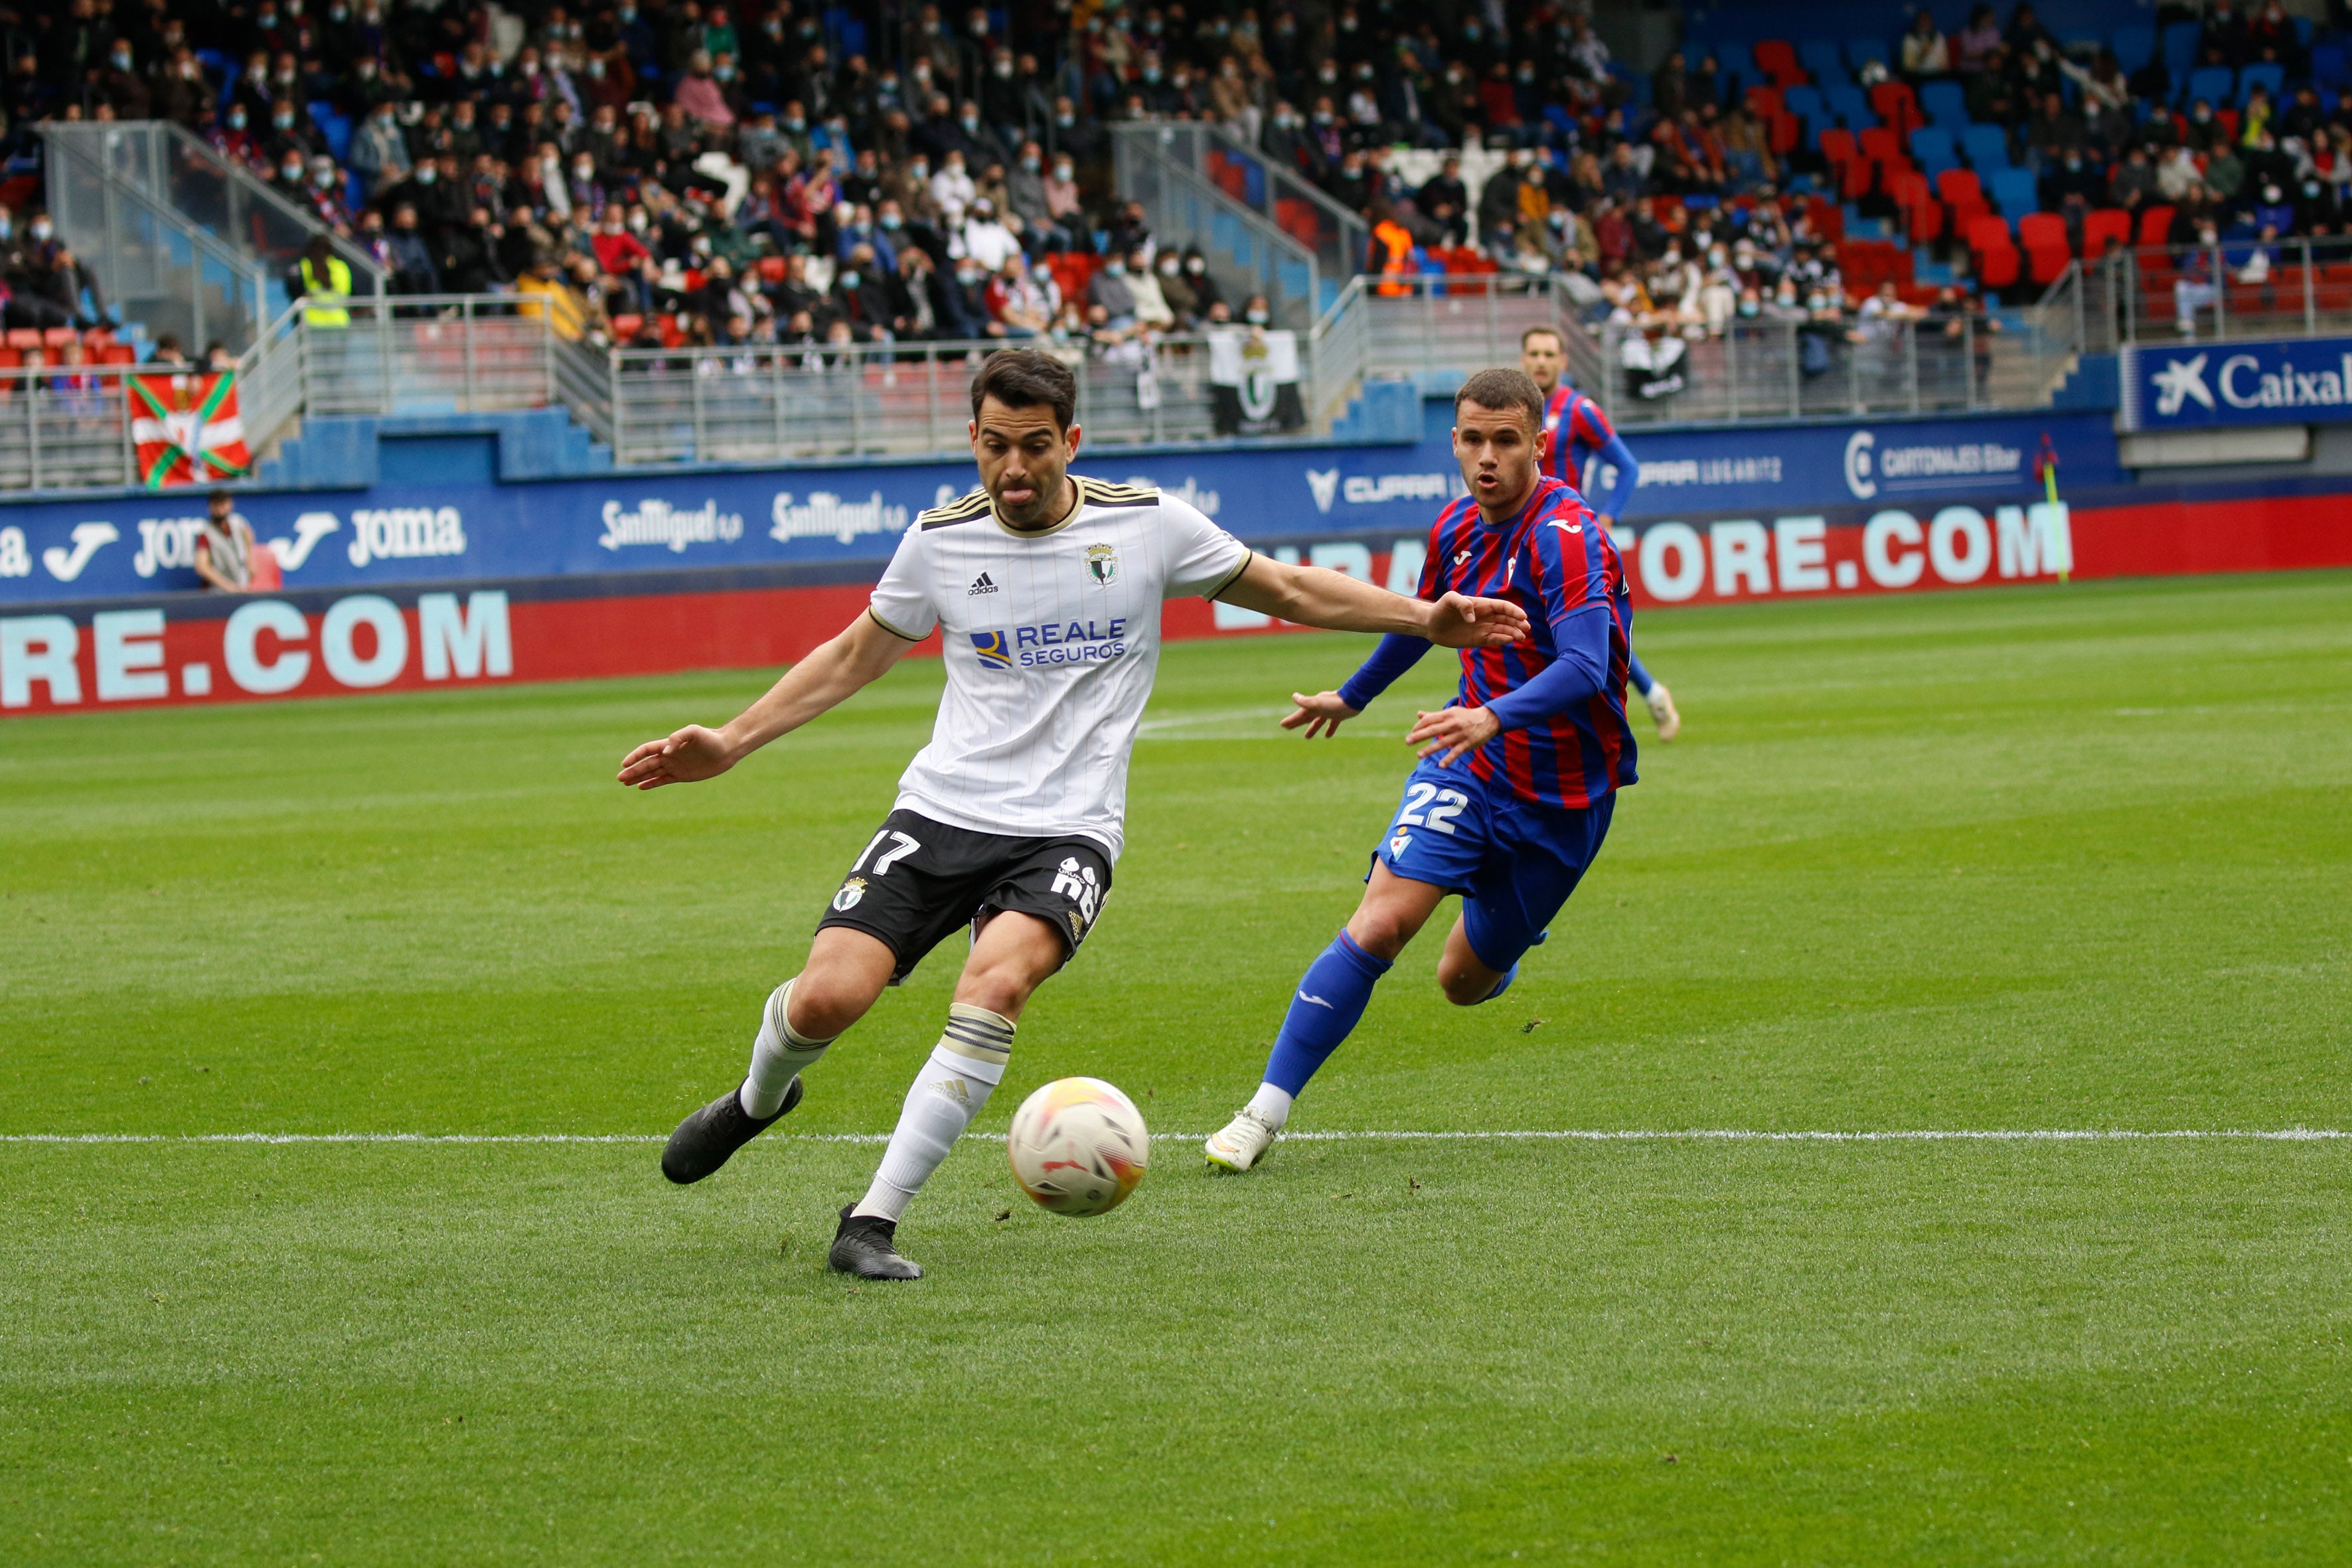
(1579, 429)
(1553, 561)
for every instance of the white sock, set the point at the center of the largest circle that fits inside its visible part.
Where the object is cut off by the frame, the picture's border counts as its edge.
(778, 1056)
(1272, 1105)
(964, 1067)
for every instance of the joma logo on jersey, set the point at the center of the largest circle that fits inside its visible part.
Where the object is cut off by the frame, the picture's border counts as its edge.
(1053, 642)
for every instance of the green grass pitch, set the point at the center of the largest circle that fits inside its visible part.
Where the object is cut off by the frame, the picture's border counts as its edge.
(2021, 860)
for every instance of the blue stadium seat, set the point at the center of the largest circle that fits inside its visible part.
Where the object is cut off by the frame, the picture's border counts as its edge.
(2327, 64)
(1735, 68)
(1946, 103)
(1845, 101)
(2134, 46)
(2210, 83)
(1805, 103)
(1860, 52)
(2269, 76)
(2012, 191)
(1823, 59)
(2181, 49)
(1987, 147)
(1932, 149)
(334, 128)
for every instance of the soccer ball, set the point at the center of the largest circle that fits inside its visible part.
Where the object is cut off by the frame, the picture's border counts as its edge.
(1078, 1146)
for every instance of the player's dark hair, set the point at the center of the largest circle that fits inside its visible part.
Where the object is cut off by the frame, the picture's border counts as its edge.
(1501, 389)
(1024, 378)
(1540, 331)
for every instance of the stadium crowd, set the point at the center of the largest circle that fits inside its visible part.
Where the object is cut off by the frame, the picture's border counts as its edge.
(668, 172)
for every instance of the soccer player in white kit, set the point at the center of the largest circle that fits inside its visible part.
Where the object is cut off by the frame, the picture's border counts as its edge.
(1046, 588)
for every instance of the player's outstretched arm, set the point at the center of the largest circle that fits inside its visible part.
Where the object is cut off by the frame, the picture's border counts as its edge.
(855, 657)
(1316, 597)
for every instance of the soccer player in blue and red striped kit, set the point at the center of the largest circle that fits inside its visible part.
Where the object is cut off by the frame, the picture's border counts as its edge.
(1580, 433)
(1517, 775)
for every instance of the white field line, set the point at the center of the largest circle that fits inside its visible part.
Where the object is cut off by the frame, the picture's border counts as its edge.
(1568, 1135)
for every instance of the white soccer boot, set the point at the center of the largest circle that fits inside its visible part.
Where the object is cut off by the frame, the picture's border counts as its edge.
(1663, 711)
(1242, 1143)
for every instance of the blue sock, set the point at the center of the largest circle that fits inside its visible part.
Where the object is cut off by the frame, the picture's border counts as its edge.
(1330, 998)
(1641, 677)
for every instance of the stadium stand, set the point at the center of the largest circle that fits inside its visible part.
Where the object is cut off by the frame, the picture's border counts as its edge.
(674, 176)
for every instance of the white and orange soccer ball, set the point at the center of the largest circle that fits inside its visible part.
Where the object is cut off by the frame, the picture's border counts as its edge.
(1078, 1146)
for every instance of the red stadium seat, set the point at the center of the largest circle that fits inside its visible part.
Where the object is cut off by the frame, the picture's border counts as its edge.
(626, 328)
(11, 358)
(2041, 228)
(1777, 58)
(57, 337)
(1896, 107)
(119, 353)
(1996, 254)
(2042, 237)
(1878, 143)
(1764, 102)
(2103, 229)
(2155, 225)
(1961, 188)
(23, 337)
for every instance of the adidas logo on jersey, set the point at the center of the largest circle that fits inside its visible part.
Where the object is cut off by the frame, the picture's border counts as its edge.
(981, 585)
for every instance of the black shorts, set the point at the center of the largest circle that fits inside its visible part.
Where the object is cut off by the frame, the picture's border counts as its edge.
(919, 880)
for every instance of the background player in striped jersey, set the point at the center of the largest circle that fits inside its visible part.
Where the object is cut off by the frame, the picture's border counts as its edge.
(1580, 432)
(1517, 776)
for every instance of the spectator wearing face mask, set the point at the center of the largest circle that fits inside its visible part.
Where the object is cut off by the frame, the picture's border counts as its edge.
(413, 268)
(1024, 196)
(1207, 298)
(1183, 304)
(861, 296)
(1108, 290)
(987, 241)
(468, 255)
(951, 185)
(379, 152)
(701, 95)
(1152, 309)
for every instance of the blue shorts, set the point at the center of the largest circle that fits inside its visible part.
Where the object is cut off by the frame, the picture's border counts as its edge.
(1514, 864)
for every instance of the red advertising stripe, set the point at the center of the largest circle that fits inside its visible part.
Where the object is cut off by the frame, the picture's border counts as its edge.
(182, 649)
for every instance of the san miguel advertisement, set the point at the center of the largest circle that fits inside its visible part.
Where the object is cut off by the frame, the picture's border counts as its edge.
(412, 587)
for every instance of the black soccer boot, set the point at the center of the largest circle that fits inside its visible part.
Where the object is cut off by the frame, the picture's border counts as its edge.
(863, 1246)
(705, 1139)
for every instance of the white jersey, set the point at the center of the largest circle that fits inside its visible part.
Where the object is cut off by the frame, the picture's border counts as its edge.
(1050, 641)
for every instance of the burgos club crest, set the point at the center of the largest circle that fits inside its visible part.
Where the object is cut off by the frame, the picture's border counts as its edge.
(851, 891)
(1102, 563)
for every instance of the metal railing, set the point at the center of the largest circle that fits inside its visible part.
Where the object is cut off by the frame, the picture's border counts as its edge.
(1337, 237)
(1248, 253)
(153, 263)
(2237, 288)
(66, 428)
(169, 165)
(775, 404)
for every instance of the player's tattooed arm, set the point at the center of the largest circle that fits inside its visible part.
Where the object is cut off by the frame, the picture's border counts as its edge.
(823, 680)
(1316, 596)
